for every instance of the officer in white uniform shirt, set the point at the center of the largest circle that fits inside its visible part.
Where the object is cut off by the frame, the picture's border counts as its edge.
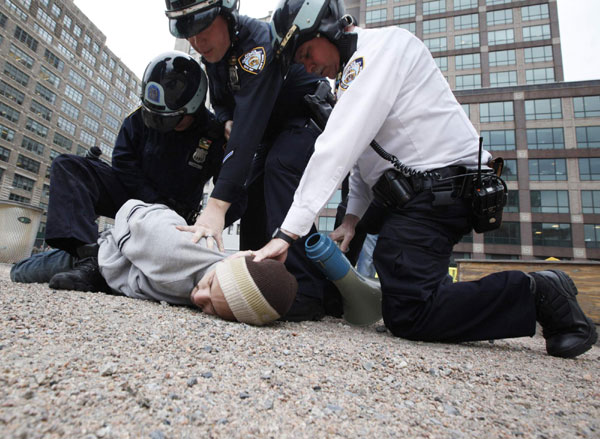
(391, 91)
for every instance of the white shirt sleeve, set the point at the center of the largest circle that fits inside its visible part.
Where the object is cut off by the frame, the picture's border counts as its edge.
(354, 122)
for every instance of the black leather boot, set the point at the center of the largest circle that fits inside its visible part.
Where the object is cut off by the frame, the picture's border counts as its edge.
(567, 330)
(85, 275)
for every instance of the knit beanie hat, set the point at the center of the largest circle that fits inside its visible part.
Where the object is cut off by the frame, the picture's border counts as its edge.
(257, 292)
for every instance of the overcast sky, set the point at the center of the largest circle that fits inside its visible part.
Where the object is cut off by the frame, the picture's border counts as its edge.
(137, 31)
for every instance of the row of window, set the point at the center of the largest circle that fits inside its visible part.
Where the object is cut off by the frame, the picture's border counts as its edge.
(493, 18)
(499, 58)
(509, 78)
(537, 109)
(541, 138)
(495, 38)
(553, 169)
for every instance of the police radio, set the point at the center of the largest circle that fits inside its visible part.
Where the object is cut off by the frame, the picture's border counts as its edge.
(489, 196)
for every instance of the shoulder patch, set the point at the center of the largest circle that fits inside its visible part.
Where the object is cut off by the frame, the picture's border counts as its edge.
(351, 71)
(254, 60)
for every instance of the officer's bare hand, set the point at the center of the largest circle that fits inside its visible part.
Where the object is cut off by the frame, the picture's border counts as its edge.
(345, 232)
(209, 224)
(275, 249)
(228, 128)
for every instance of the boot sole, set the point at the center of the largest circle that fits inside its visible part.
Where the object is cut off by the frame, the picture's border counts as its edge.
(74, 286)
(581, 348)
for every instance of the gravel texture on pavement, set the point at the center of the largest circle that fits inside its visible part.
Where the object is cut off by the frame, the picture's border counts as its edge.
(88, 365)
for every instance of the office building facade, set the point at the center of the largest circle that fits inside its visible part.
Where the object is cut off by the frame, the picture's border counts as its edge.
(62, 90)
(503, 60)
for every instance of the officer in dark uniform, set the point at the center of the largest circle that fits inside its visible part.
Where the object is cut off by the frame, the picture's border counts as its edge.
(165, 153)
(270, 134)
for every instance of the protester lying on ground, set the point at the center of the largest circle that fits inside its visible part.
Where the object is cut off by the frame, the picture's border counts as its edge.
(145, 257)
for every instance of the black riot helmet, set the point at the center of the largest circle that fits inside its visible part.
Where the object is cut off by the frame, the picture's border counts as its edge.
(190, 17)
(174, 85)
(296, 21)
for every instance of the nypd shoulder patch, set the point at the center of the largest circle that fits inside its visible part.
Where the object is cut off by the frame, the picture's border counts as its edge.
(351, 71)
(254, 60)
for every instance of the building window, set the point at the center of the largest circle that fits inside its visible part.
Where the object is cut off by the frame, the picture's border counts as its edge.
(547, 169)
(26, 39)
(109, 135)
(376, 16)
(512, 202)
(535, 33)
(90, 123)
(326, 223)
(45, 93)
(545, 138)
(411, 27)
(503, 36)
(6, 133)
(16, 74)
(434, 26)
(496, 112)
(69, 109)
(9, 113)
(112, 122)
(87, 138)
(28, 164)
(65, 125)
(97, 94)
(20, 56)
(509, 172)
(464, 4)
(465, 82)
(442, 63)
(499, 140)
(552, 234)
(588, 137)
(497, 2)
(539, 109)
(4, 154)
(539, 76)
(102, 83)
(436, 44)
(73, 94)
(46, 19)
(94, 109)
(470, 21)
(589, 169)
(591, 233)
(77, 79)
(538, 54)
(503, 58)
(87, 55)
(22, 182)
(114, 108)
(54, 60)
(49, 77)
(3, 19)
(508, 233)
(503, 79)
(549, 201)
(587, 106)
(69, 39)
(18, 11)
(407, 11)
(36, 128)
(468, 61)
(9, 92)
(590, 201)
(535, 12)
(62, 141)
(467, 109)
(40, 110)
(435, 7)
(43, 33)
(335, 200)
(19, 198)
(466, 41)
(503, 16)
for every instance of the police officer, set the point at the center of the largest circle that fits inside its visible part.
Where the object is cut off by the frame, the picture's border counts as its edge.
(165, 152)
(390, 90)
(270, 136)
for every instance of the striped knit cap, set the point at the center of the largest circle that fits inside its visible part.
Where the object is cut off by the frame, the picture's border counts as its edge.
(257, 292)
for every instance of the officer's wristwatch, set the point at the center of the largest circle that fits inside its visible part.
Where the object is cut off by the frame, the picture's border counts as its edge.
(278, 233)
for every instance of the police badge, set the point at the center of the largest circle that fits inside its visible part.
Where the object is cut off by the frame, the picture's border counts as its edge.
(199, 156)
(254, 60)
(351, 72)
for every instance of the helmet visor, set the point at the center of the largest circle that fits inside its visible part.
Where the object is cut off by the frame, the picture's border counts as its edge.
(187, 26)
(161, 122)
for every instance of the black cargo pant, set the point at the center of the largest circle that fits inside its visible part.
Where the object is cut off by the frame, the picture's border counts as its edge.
(420, 301)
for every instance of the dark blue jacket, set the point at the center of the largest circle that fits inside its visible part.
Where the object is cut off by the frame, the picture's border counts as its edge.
(262, 92)
(157, 167)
